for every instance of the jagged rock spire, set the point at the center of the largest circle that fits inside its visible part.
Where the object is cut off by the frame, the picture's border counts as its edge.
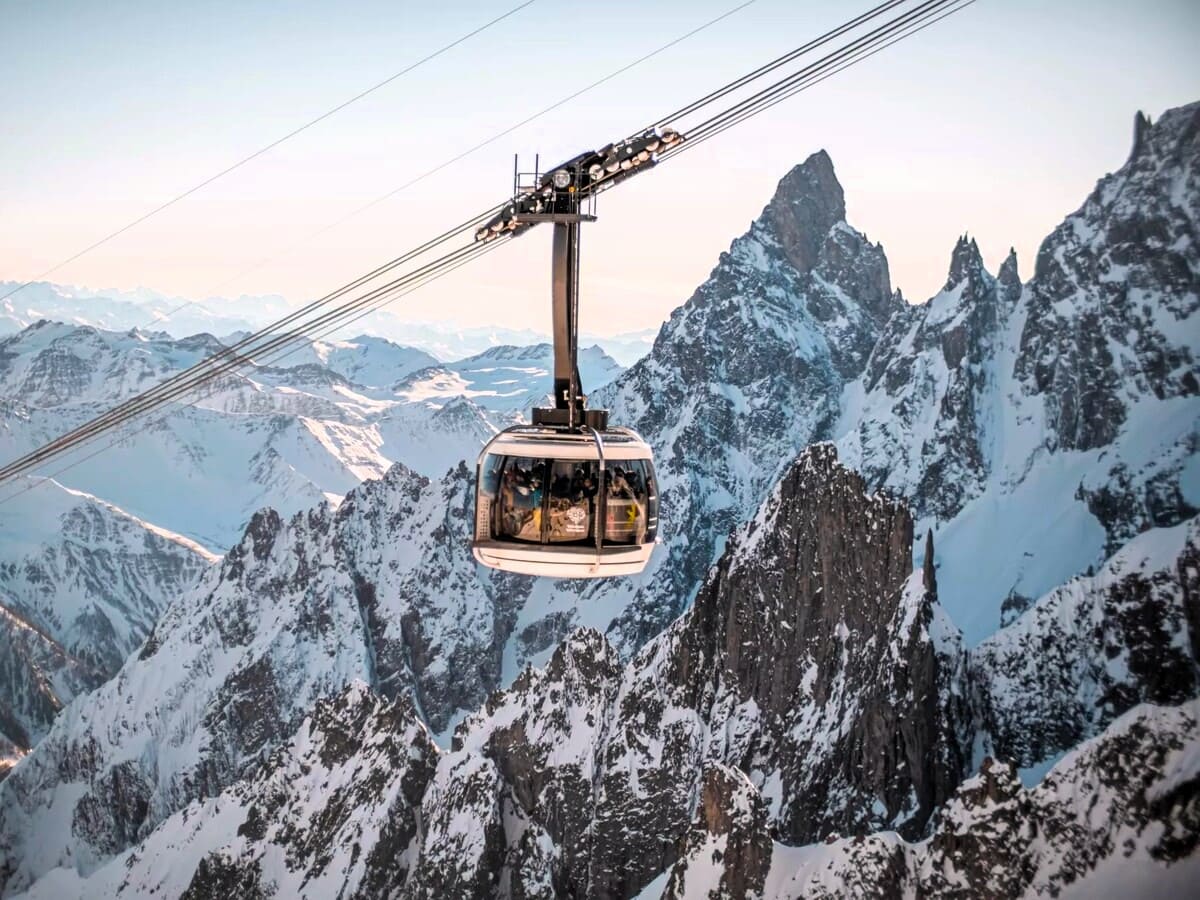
(808, 202)
(1009, 279)
(965, 262)
(1009, 273)
(929, 568)
(1141, 127)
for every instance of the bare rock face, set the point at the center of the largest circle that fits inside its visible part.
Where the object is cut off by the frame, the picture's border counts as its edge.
(730, 829)
(814, 663)
(807, 204)
(856, 707)
(749, 368)
(1117, 815)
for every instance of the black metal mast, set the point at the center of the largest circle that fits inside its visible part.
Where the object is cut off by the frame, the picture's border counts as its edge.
(566, 197)
(565, 315)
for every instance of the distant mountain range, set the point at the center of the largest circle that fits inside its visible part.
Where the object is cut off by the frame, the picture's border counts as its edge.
(88, 562)
(122, 310)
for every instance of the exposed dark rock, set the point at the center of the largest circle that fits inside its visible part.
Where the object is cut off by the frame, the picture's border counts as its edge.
(751, 367)
(807, 204)
(1013, 607)
(997, 840)
(929, 566)
(812, 601)
(730, 829)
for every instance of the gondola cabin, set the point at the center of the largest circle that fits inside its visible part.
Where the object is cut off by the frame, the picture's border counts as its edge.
(566, 503)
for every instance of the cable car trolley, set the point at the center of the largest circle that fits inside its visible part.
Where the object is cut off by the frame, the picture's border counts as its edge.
(568, 495)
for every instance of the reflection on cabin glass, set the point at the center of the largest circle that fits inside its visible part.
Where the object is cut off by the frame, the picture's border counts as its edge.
(630, 513)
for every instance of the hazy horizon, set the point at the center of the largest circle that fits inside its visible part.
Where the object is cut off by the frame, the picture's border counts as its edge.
(996, 122)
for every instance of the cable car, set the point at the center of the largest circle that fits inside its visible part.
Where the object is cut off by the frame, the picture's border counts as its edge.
(566, 496)
(570, 504)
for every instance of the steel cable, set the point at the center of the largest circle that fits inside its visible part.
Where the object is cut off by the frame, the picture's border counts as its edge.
(267, 343)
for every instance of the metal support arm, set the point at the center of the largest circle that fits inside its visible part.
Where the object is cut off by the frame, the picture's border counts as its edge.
(565, 300)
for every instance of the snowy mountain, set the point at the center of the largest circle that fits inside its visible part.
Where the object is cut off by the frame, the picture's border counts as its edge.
(507, 380)
(287, 438)
(626, 348)
(82, 583)
(293, 613)
(1078, 392)
(815, 684)
(742, 377)
(1090, 649)
(117, 310)
(144, 309)
(364, 360)
(1088, 830)
(89, 563)
(815, 689)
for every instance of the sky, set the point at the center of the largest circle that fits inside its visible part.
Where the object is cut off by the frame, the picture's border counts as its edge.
(996, 122)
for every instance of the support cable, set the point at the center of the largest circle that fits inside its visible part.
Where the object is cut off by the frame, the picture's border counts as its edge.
(271, 146)
(213, 388)
(267, 343)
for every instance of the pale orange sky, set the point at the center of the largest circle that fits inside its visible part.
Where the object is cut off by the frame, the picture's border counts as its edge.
(996, 122)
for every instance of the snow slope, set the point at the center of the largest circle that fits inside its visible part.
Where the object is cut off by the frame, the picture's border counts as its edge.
(1038, 427)
(81, 585)
(287, 438)
(814, 690)
(505, 379)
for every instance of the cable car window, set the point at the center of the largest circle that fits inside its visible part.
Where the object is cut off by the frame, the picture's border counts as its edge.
(572, 507)
(520, 509)
(645, 470)
(628, 515)
(489, 474)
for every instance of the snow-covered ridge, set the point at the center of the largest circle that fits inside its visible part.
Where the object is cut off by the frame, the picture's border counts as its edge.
(81, 585)
(507, 380)
(1075, 393)
(147, 310)
(282, 437)
(1088, 650)
(729, 732)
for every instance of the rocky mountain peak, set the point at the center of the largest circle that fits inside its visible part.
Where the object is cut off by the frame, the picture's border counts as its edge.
(814, 594)
(1009, 275)
(1173, 136)
(966, 263)
(1141, 126)
(929, 567)
(808, 202)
